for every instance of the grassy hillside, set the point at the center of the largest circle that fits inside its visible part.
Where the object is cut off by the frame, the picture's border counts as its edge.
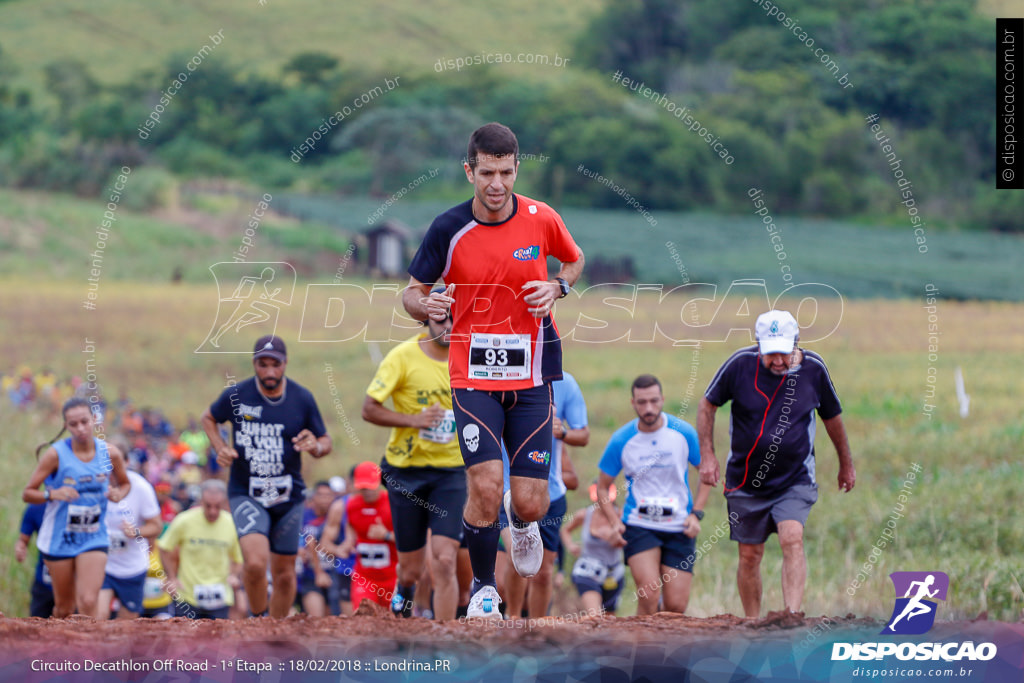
(117, 40)
(54, 235)
(145, 335)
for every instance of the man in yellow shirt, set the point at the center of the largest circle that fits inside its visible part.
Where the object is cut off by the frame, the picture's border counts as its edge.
(201, 556)
(423, 468)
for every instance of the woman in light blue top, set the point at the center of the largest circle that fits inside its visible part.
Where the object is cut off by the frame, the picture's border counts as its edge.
(80, 474)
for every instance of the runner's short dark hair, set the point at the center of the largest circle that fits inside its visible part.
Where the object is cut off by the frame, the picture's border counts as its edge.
(494, 139)
(643, 382)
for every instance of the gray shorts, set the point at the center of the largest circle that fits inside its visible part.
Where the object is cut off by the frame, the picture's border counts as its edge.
(755, 518)
(282, 523)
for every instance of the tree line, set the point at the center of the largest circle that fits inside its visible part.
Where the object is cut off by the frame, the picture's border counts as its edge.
(753, 81)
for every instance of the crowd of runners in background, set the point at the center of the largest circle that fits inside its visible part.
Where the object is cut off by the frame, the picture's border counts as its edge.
(176, 462)
(466, 512)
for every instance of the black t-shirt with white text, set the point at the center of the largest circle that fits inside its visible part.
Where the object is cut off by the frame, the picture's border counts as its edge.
(268, 467)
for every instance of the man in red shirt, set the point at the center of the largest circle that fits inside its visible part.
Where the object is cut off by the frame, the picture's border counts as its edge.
(371, 534)
(491, 252)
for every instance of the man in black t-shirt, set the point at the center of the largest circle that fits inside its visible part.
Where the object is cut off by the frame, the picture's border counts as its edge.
(775, 388)
(273, 421)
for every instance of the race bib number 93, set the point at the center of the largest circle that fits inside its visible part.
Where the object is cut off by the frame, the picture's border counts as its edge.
(499, 356)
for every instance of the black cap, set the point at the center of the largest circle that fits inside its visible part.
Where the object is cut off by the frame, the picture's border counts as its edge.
(270, 346)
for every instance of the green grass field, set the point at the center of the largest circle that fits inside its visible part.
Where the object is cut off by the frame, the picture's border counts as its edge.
(960, 518)
(52, 235)
(857, 260)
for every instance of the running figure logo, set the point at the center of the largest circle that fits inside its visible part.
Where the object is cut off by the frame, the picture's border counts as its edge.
(914, 613)
(258, 292)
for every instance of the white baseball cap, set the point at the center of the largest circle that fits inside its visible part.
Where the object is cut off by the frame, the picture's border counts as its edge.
(777, 332)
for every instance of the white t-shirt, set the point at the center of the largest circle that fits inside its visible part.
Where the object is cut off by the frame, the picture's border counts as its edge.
(655, 466)
(129, 557)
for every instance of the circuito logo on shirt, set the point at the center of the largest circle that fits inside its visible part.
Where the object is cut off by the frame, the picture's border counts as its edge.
(914, 613)
(531, 253)
(539, 457)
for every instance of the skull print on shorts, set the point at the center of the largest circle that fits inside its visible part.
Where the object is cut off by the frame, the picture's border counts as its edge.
(471, 435)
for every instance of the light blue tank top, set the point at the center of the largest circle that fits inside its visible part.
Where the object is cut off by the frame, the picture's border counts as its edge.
(72, 528)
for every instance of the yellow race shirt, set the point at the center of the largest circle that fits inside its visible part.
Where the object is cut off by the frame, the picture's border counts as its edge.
(153, 595)
(205, 553)
(415, 381)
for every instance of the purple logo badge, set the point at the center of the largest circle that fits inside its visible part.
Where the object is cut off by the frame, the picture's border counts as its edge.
(916, 596)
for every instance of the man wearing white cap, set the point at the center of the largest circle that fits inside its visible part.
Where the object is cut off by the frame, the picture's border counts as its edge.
(770, 486)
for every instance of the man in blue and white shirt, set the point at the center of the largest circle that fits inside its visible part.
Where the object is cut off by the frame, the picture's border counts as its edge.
(660, 520)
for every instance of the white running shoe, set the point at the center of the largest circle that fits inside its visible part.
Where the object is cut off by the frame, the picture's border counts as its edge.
(527, 551)
(484, 603)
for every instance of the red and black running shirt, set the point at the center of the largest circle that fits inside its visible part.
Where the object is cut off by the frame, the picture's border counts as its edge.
(496, 344)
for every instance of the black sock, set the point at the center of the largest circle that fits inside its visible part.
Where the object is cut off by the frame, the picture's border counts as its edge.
(407, 592)
(482, 543)
(460, 611)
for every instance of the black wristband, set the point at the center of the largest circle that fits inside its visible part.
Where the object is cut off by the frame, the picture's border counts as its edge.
(699, 514)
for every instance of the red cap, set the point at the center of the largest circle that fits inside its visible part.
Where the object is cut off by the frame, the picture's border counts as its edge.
(366, 476)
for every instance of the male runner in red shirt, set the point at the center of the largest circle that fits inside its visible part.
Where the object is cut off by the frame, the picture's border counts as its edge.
(492, 252)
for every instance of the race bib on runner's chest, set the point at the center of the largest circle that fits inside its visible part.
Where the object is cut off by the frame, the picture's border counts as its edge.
(83, 519)
(269, 491)
(443, 432)
(118, 542)
(657, 509)
(499, 356)
(590, 569)
(374, 555)
(152, 589)
(209, 596)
